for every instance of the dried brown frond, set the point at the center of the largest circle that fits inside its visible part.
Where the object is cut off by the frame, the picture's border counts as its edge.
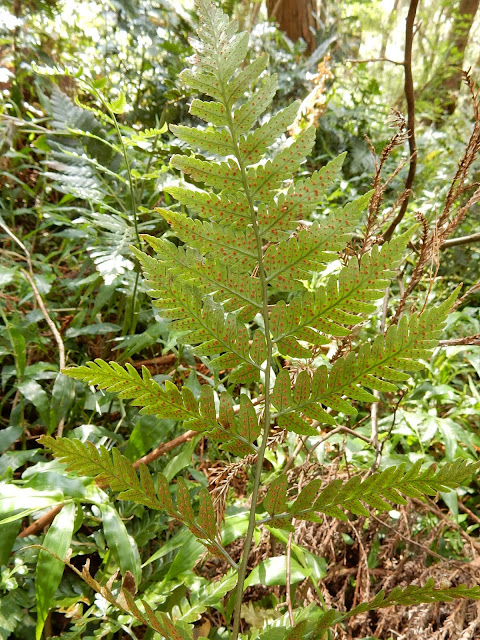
(453, 213)
(220, 480)
(313, 106)
(375, 221)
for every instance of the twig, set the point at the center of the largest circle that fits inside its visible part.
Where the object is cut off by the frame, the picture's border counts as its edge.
(20, 244)
(29, 276)
(410, 97)
(41, 523)
(355, 61)
(453, 342)
(55, 332)
(165, 448)
(288, 595)
(456, 242)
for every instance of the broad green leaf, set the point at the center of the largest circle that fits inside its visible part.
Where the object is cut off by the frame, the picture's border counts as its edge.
(120, 542)
(49, 570)
(274, 570)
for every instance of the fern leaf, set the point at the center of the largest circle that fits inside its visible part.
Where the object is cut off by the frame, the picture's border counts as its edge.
(211, 112)
(237, 249)
(219, 208)
(380, 490)
(217, 142)
(342, 303)
(276, 497)
(245, 116)
(290, 261)
(231, 289)
(222, 175)
(291, 207)
(206, 515)
(264, 179)
(373, 367)
(108, 468)
(253, 146)
(411, 595)
(235, 89)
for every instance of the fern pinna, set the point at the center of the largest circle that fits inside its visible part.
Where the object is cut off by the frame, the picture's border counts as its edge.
(240, 290)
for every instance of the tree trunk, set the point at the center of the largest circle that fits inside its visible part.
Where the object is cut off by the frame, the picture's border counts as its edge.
(462, 23)
(295, 18)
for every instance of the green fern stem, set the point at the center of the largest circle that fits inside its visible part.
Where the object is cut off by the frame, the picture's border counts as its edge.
(132, 198)
(267, 419)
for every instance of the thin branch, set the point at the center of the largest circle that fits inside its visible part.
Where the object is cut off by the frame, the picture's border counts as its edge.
(453, 342)
(410, 97)
(456, 242)
(165, 448)
(355, 61)
(288, 595)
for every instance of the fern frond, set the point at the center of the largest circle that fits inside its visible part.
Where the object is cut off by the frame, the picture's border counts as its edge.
(236, 248)
(298, 202)
(342, 303)
(233, 290)
(373, 367)
(393, 484)
(114, 470)
(229, 210)
(253, 146)
(293, 260)
(166, 402)
(411, 595)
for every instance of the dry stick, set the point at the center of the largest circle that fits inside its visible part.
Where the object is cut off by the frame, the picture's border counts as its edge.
(455, 242)
(453, 342)
(53, 327)
(55, 332)
(410, 97)
(164, 448)
(355, 61)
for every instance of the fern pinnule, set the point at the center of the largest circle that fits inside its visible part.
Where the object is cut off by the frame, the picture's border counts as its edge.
(393, 484)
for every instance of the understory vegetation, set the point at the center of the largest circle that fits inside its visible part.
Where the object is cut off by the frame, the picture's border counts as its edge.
(240, 327)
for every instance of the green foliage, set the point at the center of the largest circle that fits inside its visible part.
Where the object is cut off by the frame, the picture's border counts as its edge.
(393, 484)
(264, 338)
(212, 287)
